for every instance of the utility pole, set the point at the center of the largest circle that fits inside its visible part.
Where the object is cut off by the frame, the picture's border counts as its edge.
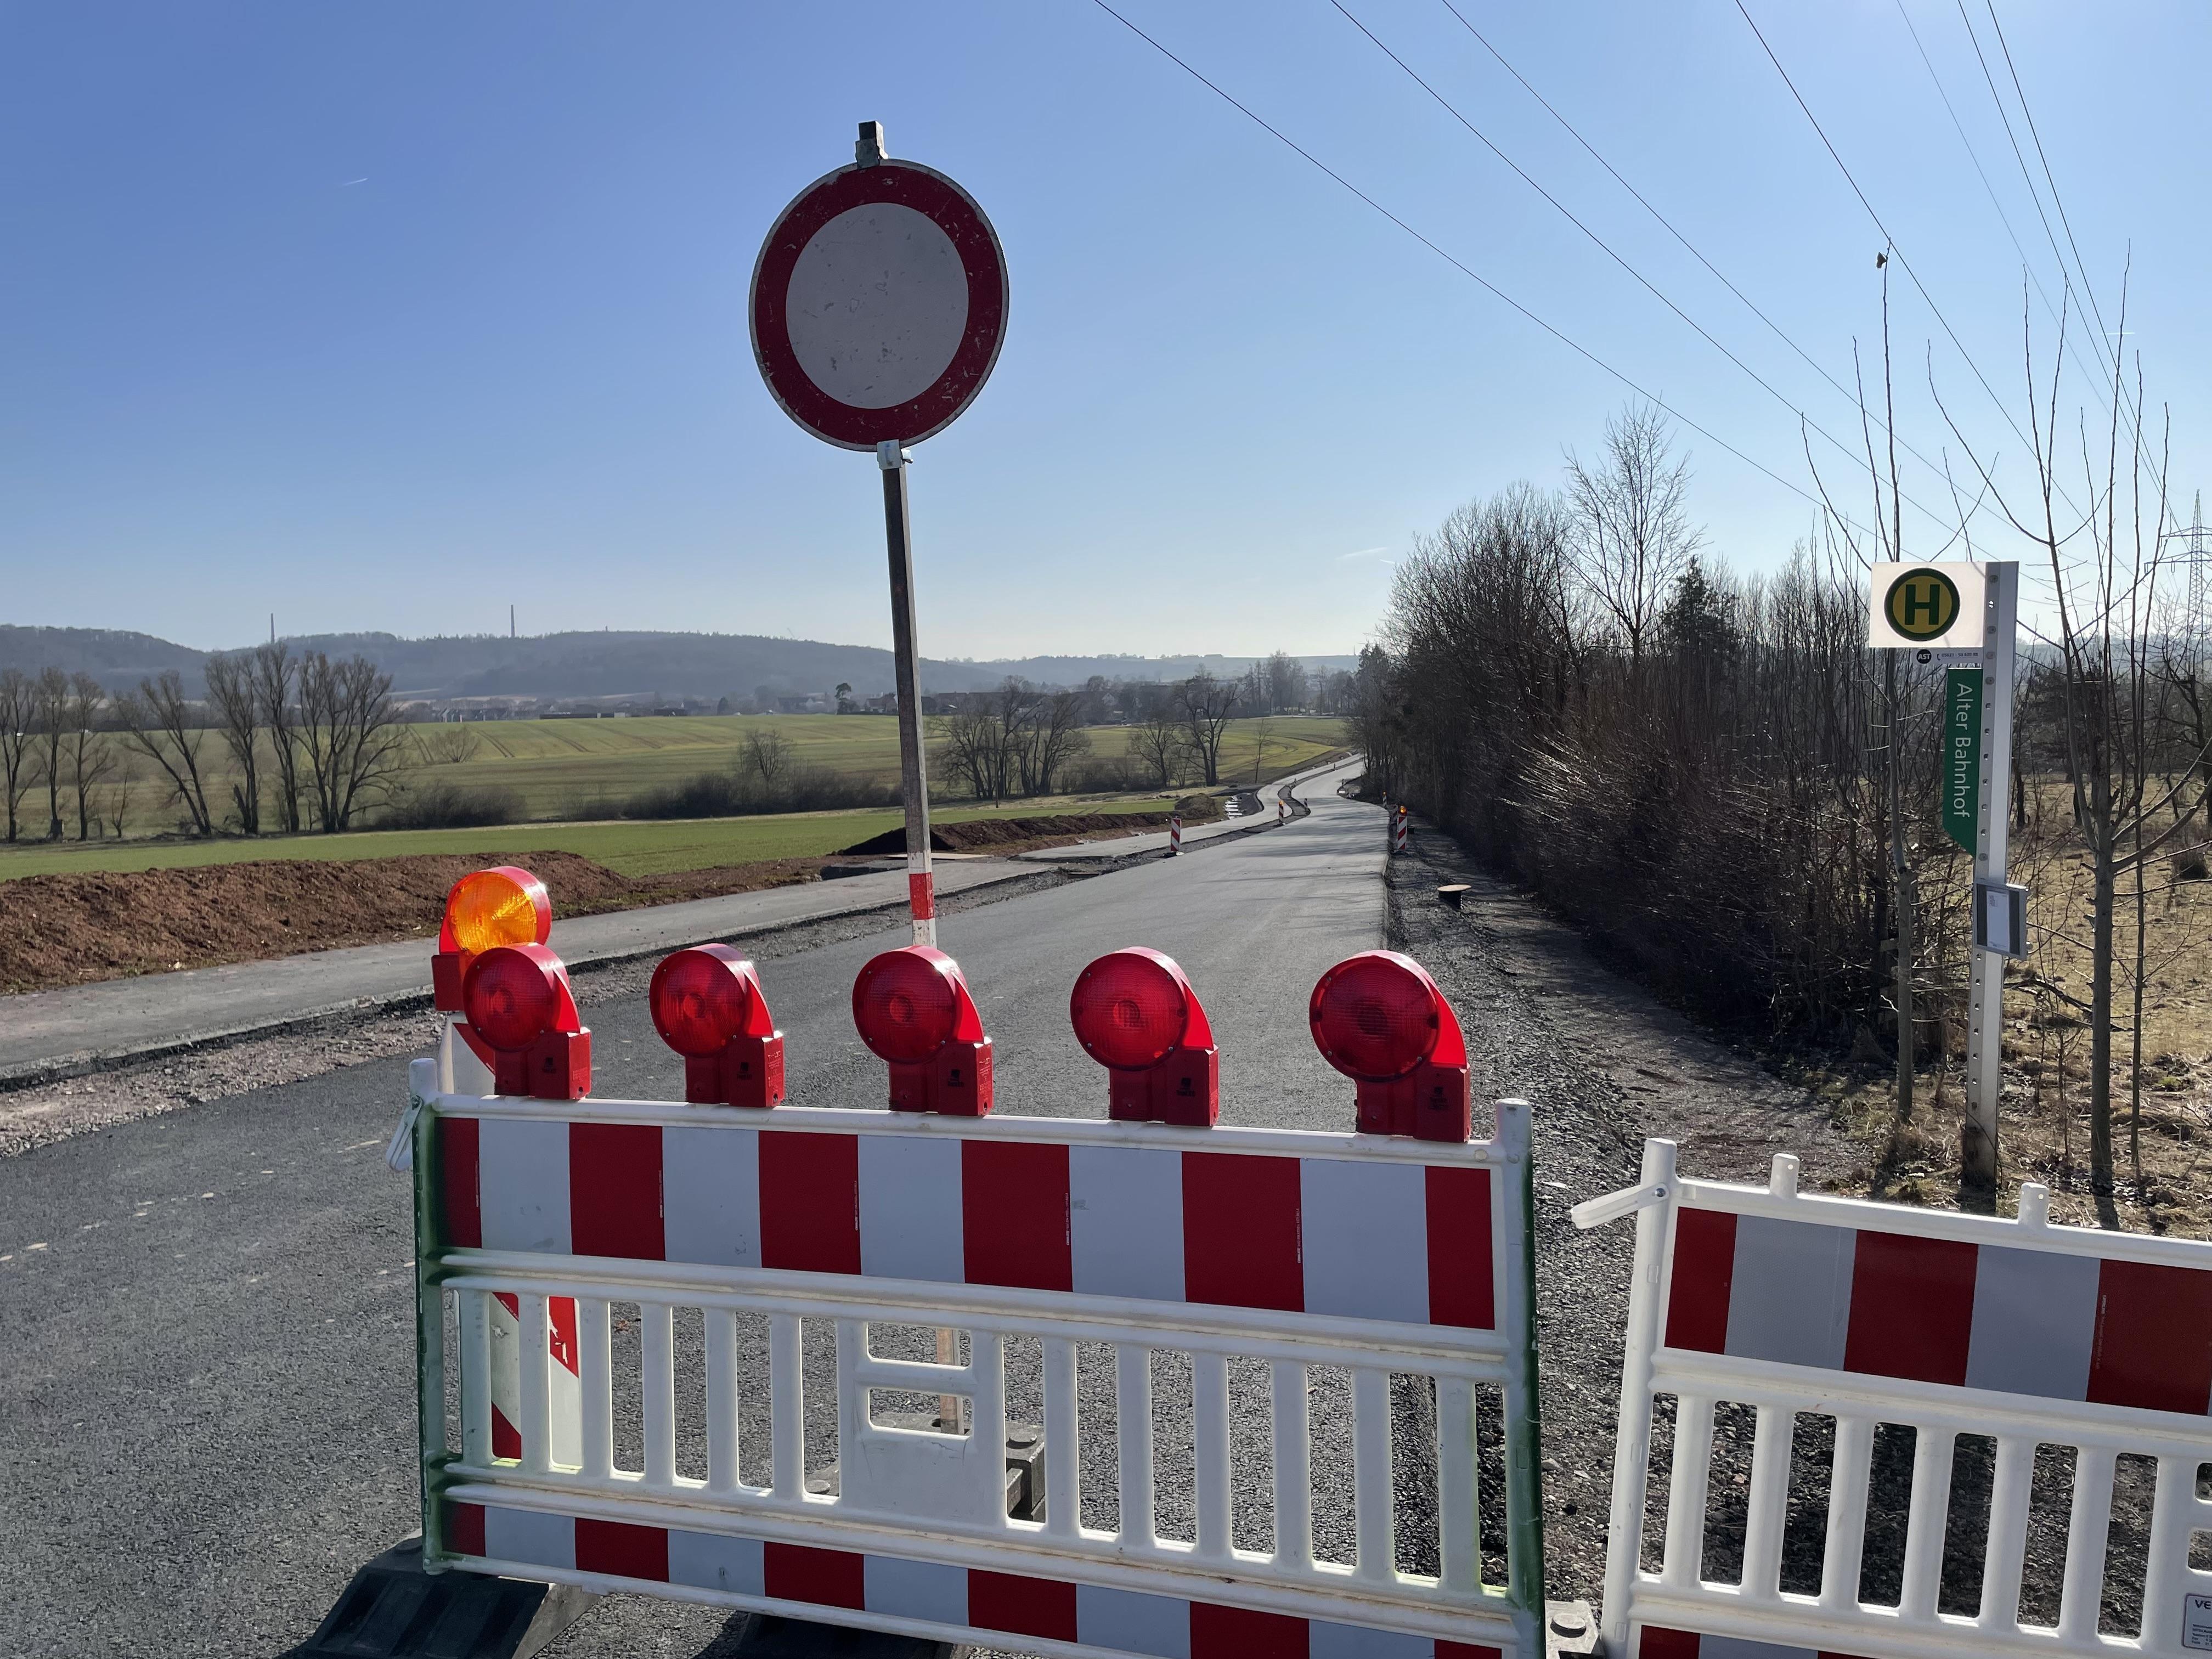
(510, 622)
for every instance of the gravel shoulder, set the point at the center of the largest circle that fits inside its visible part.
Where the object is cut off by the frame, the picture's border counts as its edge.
(1605, 1064)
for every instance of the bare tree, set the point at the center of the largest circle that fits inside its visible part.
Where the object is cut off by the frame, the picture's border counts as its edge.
(1056, 738)
(1207, 705)
(970, 756)
(1633, 535)
(2103, 572)
(18, 744)
(767, 755)
(1159, 742)
(49, 700)
(275, 693)
(115, 806)
(91, 756)
(353, 741)
(237, 710)
(158, 721)
(445, 743)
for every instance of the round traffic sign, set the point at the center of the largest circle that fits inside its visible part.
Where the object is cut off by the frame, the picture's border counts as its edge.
(1921, 604)
(879, 304)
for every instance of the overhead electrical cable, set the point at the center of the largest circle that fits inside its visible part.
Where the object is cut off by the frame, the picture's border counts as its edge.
(2106, 350)
(1894, 250)
(1573, 345)
(1719, 276)
(1606, 248)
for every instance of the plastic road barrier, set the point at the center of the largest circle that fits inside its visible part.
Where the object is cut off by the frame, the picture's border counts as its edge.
(2090, 1345)
(1382, 1262)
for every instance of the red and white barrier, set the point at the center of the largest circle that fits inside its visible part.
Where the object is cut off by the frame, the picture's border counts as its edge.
(1397, 832)
(2044, 1339)
(917, 1597)
(1379, 1255)
(1174, 835)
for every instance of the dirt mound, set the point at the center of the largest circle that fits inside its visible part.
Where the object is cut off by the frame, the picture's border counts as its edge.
(66, 929)
(1009, 835)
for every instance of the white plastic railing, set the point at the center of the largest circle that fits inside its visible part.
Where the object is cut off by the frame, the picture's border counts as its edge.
(2097, 1344)
(911, 1502)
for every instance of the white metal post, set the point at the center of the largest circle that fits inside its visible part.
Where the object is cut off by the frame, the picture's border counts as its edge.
(1985, 996)
(1632, 1444)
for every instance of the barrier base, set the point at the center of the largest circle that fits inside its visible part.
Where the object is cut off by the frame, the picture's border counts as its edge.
(769, 1636)
(1569, 1629)
(394, 1610)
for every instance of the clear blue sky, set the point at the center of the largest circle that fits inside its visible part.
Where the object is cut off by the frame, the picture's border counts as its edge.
(383, 317)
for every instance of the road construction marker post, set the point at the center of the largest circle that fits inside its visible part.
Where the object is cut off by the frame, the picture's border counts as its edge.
(1968, 615)
(1397, 832)
(1174, 835)
(878, 305)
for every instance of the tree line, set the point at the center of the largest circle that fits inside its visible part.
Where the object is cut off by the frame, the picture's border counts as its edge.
(1027, 740)
(1718, 779)
(310, 742)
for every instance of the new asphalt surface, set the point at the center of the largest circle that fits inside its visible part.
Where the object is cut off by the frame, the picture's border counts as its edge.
(209, 1371)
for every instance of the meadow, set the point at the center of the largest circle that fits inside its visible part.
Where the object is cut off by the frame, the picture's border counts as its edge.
(560, 767)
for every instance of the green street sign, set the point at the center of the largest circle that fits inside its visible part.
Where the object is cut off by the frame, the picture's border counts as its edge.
(1962, 754)
(1921, 604)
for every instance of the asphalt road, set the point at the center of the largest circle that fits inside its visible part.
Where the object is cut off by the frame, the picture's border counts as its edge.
(208, 1376)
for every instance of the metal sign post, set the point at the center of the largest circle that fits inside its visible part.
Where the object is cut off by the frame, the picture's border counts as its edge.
(1985, 994)
(1930, 610)
(878, 305)
(914, 780)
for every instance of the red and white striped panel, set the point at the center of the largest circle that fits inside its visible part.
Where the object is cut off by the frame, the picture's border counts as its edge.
(1656, 1641)
(1364, 1239)
(2042, 1322)
(564, 1386)
(961, 1599)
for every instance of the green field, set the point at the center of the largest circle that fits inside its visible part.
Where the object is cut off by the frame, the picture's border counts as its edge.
(559, 768)
(635, 850)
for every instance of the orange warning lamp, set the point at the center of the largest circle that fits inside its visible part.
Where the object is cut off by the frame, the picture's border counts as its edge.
(1135, 1013)
(912, 1009)
(486, 909)
(708, 1005)
(1380, 1020)
(519, 1002)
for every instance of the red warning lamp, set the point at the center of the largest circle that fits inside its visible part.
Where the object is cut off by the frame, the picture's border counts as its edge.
(517, 1001)
(485, 909)
(912, 1009)
(708, 1005)
(1379, 1019)
(1135, 1014)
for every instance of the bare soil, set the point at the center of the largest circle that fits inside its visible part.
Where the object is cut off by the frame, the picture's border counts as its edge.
(1025, 834)
(68, 929)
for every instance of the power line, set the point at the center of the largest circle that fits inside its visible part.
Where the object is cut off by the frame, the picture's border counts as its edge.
(2106, 350)
(1648, 286)
(1464, 269)
(1895, 251)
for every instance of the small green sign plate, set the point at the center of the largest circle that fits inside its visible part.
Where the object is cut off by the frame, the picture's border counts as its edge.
(1962, 754)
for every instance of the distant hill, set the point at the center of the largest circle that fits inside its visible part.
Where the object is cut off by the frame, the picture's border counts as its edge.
(602, 664)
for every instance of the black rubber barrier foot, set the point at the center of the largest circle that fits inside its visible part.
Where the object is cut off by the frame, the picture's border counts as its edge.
(772, 1637)
(394, 1610)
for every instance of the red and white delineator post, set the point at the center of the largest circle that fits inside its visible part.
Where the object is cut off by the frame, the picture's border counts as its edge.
(2097, 1344)
(1397, 832)
(1380, 1256)
(1174, 835)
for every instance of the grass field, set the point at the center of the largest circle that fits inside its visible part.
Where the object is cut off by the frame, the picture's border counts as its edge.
(567, 769)
(633, 849)
(558, 766)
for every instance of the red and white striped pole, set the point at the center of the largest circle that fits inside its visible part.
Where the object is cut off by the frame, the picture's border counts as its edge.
(1174, 835)
(1398, 837)
(1282, 808)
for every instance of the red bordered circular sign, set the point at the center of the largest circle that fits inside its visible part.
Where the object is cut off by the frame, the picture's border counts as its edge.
(879, 304)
